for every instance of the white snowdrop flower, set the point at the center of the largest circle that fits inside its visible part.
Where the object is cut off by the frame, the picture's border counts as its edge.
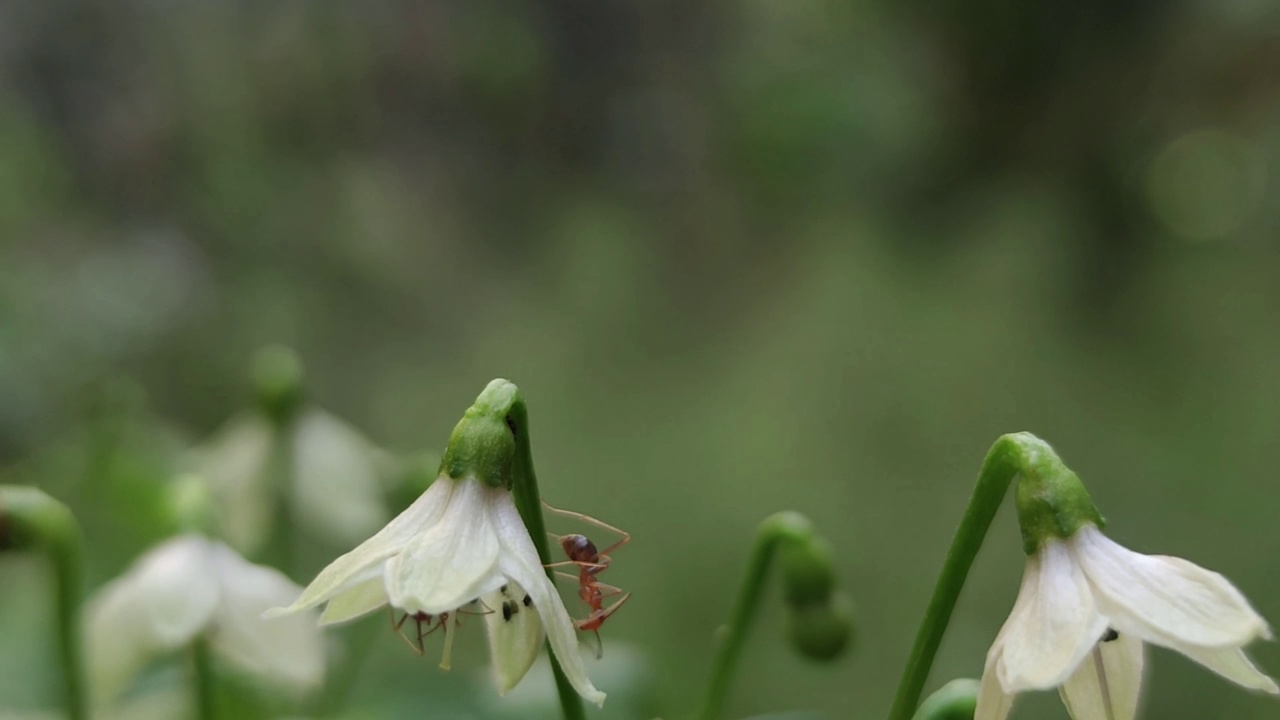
(286, 452)
(331, 478)
(1088, 606)
(188, 587)
(461, 547)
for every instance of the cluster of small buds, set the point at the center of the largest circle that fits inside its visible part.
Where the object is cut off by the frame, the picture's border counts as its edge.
(819, 615)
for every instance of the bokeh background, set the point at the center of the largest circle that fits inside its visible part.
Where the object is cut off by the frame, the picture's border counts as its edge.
(739, 257)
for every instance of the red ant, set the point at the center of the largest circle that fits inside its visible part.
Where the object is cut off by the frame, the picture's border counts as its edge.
(591, 562)
(433, 623)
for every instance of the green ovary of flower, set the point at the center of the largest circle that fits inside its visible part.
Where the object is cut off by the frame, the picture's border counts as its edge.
(483, 443)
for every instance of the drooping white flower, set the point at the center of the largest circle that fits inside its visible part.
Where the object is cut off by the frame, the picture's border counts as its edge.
(332, 478)
(188, 587)
(1087, 606)
(461, 545)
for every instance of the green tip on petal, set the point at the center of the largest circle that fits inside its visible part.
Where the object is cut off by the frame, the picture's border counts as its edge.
(277, 382)
(1051, 500)
(483, 444)
(957, 700)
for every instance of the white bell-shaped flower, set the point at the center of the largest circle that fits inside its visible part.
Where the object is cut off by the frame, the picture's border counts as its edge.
(332, 478)
(1087, 606)
(461, 545)
(188, 587)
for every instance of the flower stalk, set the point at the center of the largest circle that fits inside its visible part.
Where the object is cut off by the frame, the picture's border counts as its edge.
(819, 617)
(1011, 454)
(204, 680)
(524, 488)
(30, 519)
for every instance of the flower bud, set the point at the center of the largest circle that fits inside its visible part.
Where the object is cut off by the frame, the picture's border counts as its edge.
(29, 517)
(957, 700)
(808, 574)
(277, 383)
(821, 631)
(189, 501)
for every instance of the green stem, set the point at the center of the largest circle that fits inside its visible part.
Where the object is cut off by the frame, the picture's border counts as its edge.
(65, 553)
(1006, 457)
(529, 503)
(31, 519)
(783, 526)
(204, 680)
(281, 550)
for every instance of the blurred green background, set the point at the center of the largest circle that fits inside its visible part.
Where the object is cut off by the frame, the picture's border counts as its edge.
(739, 257)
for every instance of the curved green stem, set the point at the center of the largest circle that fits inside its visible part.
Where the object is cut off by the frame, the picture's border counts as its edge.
(31, 519)
(204, 680)
(529, 503)
(1007, 457)
(774, 531)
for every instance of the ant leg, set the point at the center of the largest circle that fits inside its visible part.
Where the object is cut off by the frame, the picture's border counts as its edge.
(608, 590)
(599, 645)
(578, 563)
(567, 576)
(597, 617)
(626, 536)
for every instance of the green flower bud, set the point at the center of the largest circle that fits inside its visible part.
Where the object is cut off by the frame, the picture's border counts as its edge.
(277, 383)
(29, 518)
(483, 444)
(808, 573)
(190, 503)
(1051, 500)
(821, 631)
(957, 700)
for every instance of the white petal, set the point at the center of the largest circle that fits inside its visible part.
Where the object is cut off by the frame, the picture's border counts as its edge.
(993, 702)
(452, 562)
(359, 600)
(336, 482)
(288, 650)
(1107, 684)
(1232, 664)
(233, 463)
(519, 561)
(161, 603)
(1165, 600)
(367, 560)
(1047, 637)
(174, 587)
(515, 633)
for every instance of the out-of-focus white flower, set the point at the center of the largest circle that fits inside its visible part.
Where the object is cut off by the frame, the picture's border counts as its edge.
(332, 481)
(461, 544)
(1085, 609)
(188, 587)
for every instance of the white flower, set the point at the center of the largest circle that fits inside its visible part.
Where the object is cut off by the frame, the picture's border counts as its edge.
(1085, 609)
(461, 542)
(190, 586)
(333, 483)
